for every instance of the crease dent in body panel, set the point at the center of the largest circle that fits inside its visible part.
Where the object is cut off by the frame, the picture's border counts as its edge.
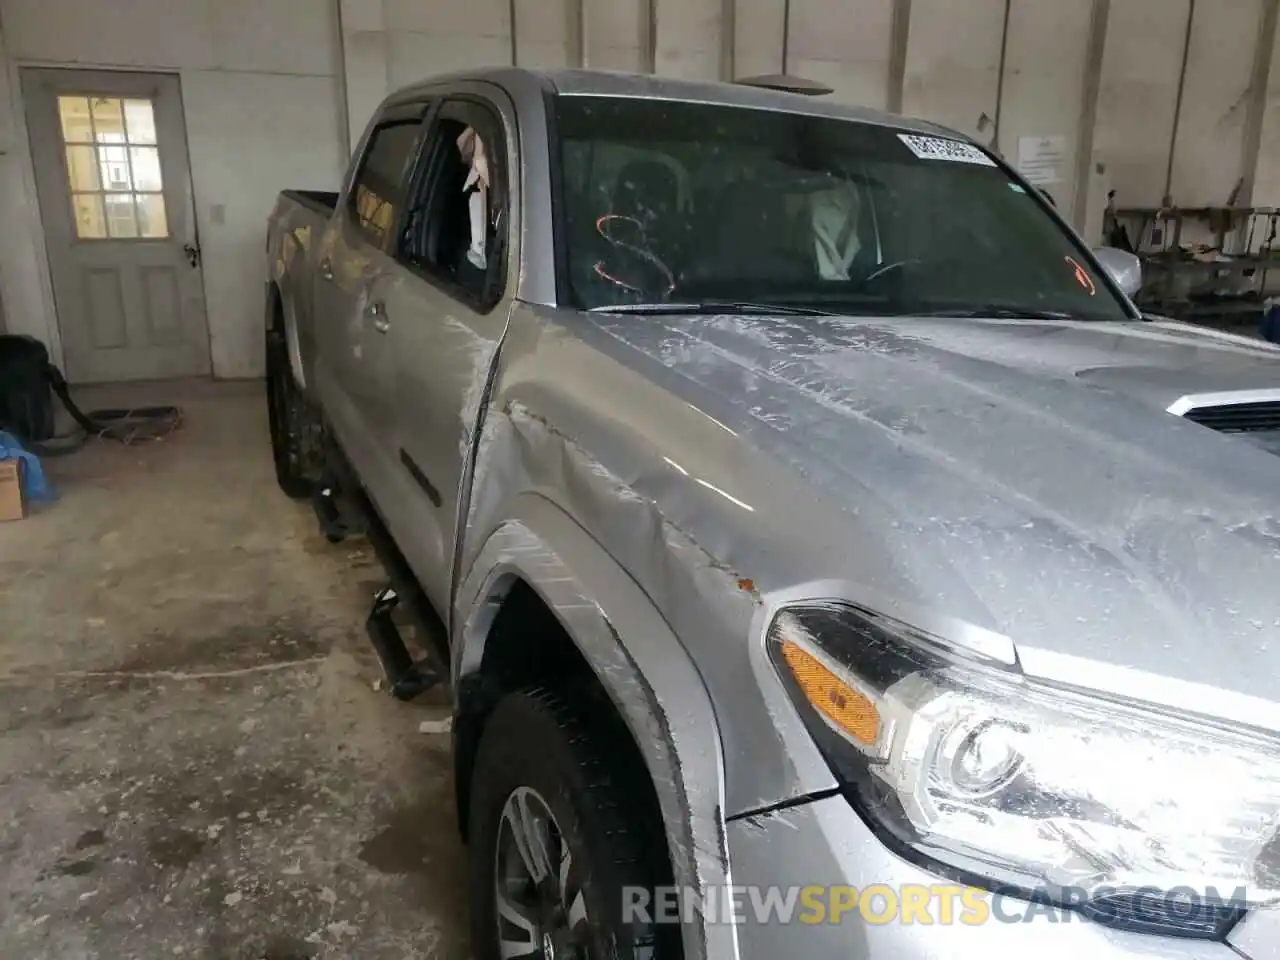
(536, 431)
(481, 364)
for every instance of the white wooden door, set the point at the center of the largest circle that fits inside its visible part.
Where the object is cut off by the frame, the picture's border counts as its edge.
(114, 184)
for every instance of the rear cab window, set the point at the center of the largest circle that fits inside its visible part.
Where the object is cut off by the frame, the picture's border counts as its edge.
(378, 191)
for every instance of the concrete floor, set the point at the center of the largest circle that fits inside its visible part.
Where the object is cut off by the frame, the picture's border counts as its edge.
(193, 760)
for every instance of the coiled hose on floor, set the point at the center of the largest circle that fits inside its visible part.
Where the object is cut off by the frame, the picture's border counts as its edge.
(128, 425)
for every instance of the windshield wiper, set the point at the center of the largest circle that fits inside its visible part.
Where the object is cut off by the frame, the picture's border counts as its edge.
(713, 306)
(1000, 313)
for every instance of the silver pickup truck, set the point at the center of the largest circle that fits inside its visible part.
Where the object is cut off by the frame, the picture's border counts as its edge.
(828, 560)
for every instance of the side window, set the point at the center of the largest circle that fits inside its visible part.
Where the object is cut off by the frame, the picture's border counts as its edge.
(458, 221)
(378, 191)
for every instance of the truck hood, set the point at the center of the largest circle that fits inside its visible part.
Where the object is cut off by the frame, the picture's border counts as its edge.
(1025, 477)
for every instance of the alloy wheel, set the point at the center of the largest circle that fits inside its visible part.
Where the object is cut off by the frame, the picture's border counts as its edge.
(541, 910)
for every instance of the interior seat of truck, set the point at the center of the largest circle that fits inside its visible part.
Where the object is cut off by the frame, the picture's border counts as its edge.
(749, 237)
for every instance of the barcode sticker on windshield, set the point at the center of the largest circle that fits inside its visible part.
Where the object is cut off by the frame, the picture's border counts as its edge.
(936, 148)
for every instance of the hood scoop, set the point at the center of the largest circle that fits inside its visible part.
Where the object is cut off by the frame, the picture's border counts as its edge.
(1246, 411)
(1254, 413)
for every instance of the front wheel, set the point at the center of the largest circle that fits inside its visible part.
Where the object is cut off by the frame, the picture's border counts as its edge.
(286, 415)
(554, 855)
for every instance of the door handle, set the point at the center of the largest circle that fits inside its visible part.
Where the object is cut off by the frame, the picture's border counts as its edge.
(326, 269)
(192, 253)
(377, 313)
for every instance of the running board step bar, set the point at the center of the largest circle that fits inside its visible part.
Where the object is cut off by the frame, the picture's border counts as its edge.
(405, 679)
(345, 510)
(338, 518)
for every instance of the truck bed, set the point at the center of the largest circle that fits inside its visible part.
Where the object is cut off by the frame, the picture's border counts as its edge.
(321, 201)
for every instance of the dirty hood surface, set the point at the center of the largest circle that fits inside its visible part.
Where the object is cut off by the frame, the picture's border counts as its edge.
(1023, 476)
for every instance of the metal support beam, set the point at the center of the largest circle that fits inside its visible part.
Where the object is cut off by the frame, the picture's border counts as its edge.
(649, 37)
(1088, 125)
(786, 36)
(575, 33)
(1263, 55)
(728, 39)
(1004, 55)
(511, 22)
(344, 106)
(900, 32)
(1177, 104)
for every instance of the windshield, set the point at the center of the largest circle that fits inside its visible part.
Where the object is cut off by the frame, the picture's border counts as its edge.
(666, 201)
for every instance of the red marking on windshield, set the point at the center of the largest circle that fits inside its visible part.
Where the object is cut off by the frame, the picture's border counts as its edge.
(1082, 275)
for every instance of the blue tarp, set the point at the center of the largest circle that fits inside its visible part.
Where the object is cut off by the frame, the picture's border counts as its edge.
(1270, 326)
(35, 484)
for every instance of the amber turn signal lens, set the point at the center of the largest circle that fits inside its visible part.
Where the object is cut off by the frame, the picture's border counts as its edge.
(843, 706)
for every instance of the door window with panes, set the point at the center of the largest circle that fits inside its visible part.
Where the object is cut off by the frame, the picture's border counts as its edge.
(457, 227)
(113, 168)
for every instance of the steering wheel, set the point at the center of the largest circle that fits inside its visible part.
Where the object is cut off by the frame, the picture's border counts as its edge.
(889, 268)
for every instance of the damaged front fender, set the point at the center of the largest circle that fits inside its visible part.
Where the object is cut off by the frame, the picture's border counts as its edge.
(652, 683)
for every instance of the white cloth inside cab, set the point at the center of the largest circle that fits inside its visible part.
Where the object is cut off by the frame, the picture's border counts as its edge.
(471, 146)
(834, 216)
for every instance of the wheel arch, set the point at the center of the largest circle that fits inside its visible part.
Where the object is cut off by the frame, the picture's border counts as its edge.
(632, 653)
(282, 313)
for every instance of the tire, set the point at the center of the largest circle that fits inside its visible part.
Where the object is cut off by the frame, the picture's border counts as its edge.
(286, 415)
(536, 765)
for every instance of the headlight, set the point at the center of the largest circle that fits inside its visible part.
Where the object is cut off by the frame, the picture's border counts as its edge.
(1017, 786)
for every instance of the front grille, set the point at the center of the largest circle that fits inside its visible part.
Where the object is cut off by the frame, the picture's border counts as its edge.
(1238, 417)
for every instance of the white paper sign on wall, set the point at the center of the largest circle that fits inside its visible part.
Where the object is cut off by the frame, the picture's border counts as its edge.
(1041, 159)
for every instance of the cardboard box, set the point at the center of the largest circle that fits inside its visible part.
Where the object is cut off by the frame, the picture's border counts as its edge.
(12, 505)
